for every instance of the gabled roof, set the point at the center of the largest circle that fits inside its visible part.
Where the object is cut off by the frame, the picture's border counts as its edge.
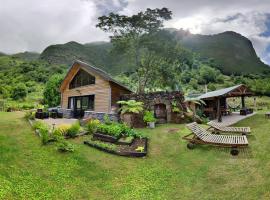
(98, 71)
(226, 92)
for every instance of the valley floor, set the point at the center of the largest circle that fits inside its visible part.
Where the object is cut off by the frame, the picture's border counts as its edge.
(29, 170)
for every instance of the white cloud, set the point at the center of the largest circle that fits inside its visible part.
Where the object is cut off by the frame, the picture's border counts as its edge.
(32, 25)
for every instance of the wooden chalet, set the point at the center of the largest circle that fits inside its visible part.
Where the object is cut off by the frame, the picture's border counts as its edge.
(89, 89)
(216, 104)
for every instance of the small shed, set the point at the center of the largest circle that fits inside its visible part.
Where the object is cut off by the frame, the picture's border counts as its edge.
(216, 100)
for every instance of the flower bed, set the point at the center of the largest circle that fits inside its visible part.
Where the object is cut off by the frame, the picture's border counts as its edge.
(138, 148)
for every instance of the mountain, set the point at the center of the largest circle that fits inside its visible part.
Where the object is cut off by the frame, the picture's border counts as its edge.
(96, 53)
(28, 56)
(2, 54)
(232, 53)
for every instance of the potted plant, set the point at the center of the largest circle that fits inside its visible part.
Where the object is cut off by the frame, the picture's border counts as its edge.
(130, 112)
(149, 119)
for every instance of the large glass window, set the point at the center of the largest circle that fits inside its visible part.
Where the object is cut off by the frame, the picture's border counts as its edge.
(82, 78)
(81, 102)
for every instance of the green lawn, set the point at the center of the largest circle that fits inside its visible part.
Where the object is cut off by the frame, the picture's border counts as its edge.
(29, 170)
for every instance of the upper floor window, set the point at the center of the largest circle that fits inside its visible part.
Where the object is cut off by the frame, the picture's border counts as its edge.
(82, 78)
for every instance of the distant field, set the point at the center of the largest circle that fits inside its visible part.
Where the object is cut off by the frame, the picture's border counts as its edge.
(29, 170)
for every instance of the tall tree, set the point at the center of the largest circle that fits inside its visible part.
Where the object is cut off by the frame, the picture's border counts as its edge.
(131, 35)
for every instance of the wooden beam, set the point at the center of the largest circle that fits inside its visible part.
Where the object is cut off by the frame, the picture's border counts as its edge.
(219, 111)
(243, 101)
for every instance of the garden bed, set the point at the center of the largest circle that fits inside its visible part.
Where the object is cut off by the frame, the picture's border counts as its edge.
(105, 138)
(122, 150)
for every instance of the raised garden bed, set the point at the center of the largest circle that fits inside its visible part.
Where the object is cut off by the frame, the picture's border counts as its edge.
(105, 137)
(122, 150)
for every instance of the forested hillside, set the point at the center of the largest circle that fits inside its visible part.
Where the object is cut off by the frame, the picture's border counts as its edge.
(232, 53)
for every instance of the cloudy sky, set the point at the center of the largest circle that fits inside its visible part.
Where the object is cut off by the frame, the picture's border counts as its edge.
(32, 25)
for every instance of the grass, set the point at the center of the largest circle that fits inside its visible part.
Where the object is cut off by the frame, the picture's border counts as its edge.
(29, 170)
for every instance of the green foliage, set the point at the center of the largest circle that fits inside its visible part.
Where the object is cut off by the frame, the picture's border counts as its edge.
(74, 130)
(61, 130)
(113, 129)
(108, 146)
(130, 106)
(19, 92)
(128, 139)
(29, 115)
(43, 131)
(65, 146)
(117, 130)
(51, 91)
(175, 107)
(107, 119)
(92, 126)
(149, 116)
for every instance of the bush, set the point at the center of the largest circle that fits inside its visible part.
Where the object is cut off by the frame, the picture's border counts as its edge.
(29, 115)
(103, 145)
(73, 130)
(62, 129)
(65, 146)
(149, 116)
(19, 92)
(92, 126)
(130, 106)
(44, 134)
(117, 130)
(40, 125)
(51, 91)
(43, 131)
(107, 119)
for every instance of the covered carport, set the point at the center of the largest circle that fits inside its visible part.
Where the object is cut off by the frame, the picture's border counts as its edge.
(215, 101)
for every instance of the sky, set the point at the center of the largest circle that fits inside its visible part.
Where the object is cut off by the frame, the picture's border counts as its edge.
(32, 25)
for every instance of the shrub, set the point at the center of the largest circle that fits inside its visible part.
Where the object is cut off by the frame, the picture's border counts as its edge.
(103, 145)
(40, 125)
(92, 126)
(117, 130)
(107, 119)
(149, 116)
(130, 106)
(29, 115)
(57, 134)
(62, 129)
(73, 130)
(65, 146)
(44, 134)
(19, 92)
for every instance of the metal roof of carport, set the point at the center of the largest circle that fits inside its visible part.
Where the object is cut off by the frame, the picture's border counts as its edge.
(225, 92)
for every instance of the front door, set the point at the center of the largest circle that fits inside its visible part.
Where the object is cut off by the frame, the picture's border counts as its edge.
(78, 111)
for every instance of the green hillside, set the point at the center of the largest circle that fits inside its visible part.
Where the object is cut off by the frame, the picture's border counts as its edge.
(28, 56)
(97, 53)
(232, 53)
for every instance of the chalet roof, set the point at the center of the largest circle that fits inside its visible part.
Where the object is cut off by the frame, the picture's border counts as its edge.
(233, 91)
(100, 72)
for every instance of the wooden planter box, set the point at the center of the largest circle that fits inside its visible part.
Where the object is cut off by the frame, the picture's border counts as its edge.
(122, 153)
(104, 137)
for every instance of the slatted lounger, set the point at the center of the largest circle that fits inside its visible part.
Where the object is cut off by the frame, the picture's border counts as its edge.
(202, 136)
(227, 129)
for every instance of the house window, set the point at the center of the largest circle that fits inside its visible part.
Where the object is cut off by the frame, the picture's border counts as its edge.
(81, 102)
(82, 78)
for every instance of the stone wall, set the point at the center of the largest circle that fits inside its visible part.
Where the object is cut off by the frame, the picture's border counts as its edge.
(155, 98)
(100, 116)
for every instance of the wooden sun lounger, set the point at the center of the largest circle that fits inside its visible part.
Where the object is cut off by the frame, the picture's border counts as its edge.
(228, 129)
(202, 136)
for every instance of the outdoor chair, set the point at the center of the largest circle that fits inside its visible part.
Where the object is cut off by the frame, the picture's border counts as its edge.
(228, 129)
(201, 136)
